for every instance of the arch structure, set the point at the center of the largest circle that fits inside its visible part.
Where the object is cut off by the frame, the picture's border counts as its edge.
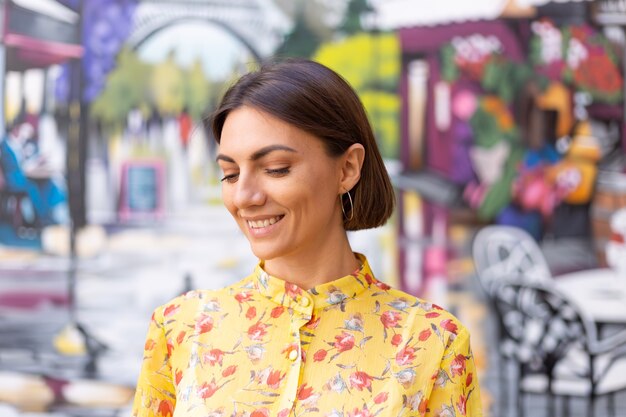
(258, 24)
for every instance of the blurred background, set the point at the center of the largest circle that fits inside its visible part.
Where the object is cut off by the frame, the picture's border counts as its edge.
(501, 123)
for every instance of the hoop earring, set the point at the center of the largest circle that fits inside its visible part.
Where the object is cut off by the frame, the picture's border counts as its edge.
(351, 207)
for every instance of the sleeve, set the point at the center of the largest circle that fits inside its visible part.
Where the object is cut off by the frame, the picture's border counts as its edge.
(455, 391)
(155, 395)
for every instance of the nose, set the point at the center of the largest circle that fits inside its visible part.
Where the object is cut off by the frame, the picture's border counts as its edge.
(248, 192)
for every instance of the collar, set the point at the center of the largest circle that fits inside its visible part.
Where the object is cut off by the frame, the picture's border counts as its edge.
(330, 293)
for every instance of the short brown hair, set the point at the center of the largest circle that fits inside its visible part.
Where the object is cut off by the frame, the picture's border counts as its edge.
(317, 100)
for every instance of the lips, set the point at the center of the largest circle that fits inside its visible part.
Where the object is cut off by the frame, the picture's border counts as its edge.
(258, 224)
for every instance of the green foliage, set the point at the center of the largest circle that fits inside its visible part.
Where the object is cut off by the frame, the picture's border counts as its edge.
(364, 60)
(383, 109)
(505, 78)
(371, 64)
(127, 87)
(352, 21)
(134, 84)
(487, 129)
(301, 42)
(534, 52)
(500, 192)
(198, 91)
(167, 85)
(449, 70)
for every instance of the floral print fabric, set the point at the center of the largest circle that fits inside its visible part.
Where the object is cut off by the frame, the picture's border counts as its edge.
(353, 347)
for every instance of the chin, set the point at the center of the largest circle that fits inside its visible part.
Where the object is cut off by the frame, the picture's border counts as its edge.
(265, 254)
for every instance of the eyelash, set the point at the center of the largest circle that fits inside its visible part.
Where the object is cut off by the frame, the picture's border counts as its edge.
(229, 178)
(274, 172)
(278, 171)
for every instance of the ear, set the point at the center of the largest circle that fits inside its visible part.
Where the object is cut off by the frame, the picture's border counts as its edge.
(351, 164)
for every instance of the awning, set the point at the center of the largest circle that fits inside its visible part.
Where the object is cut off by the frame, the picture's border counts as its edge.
(39, 33)
(396, 14)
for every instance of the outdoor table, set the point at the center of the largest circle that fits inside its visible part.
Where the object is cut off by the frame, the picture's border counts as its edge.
(600, 293)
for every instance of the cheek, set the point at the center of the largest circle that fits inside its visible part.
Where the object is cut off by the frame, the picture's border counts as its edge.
(315, 195)
(227, 200)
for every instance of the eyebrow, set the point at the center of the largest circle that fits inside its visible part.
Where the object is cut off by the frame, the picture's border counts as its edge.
(258, 154)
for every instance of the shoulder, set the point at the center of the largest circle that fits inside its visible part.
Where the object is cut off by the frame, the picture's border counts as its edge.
(188, 306)
(420, 317)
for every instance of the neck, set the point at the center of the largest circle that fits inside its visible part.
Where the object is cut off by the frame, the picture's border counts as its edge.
(329, 262)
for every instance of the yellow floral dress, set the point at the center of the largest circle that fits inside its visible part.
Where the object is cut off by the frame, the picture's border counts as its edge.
(353, 347)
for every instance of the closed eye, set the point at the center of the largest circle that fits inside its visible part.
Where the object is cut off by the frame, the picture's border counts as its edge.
(278, 171)
(231, 178)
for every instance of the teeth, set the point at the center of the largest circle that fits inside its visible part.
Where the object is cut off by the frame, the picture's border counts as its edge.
(263, 223)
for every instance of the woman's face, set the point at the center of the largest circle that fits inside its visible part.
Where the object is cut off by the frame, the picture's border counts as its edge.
(279, 184)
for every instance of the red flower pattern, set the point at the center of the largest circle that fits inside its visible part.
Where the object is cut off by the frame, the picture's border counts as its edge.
(292, 290)
(424, 335)
(390, 318)
(243, 296)
(461, 404)
(214, 356)
(457, 367)
(229, 371)
(377, 367)
(381, 398)
(344, 341)
(277, 312)
(171, 310)
(405, 356)
(262, 412)
(207, 389)
(360, 412)
(178, 376)
(166, 408)
(304, 392)
(449, 325)
(204, 324)
(257, 331)
(149, 345)
(361, 380)
(320, 355)
(274, 379)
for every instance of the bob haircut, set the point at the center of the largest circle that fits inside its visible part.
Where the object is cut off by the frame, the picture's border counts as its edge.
(317, 100)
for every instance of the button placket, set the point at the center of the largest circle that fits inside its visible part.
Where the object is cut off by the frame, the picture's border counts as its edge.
(298, 320)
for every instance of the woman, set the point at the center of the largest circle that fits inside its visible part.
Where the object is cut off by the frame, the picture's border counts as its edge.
(310, 332)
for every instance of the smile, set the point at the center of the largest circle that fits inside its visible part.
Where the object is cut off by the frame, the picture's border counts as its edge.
(258, 224)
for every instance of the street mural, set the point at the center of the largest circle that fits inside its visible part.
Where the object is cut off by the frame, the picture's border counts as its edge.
(149, 74)
(110, 195)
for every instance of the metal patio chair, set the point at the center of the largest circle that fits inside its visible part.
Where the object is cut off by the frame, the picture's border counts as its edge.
(557, 347)
(506, 252)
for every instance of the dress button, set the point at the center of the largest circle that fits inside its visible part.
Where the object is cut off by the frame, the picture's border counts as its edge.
(304, 302)
(293, 355)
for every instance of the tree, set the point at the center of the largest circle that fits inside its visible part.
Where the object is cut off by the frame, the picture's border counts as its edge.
(301, 42)
(198, 91)
(352, 20)
(168, 87)
(126, 89)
